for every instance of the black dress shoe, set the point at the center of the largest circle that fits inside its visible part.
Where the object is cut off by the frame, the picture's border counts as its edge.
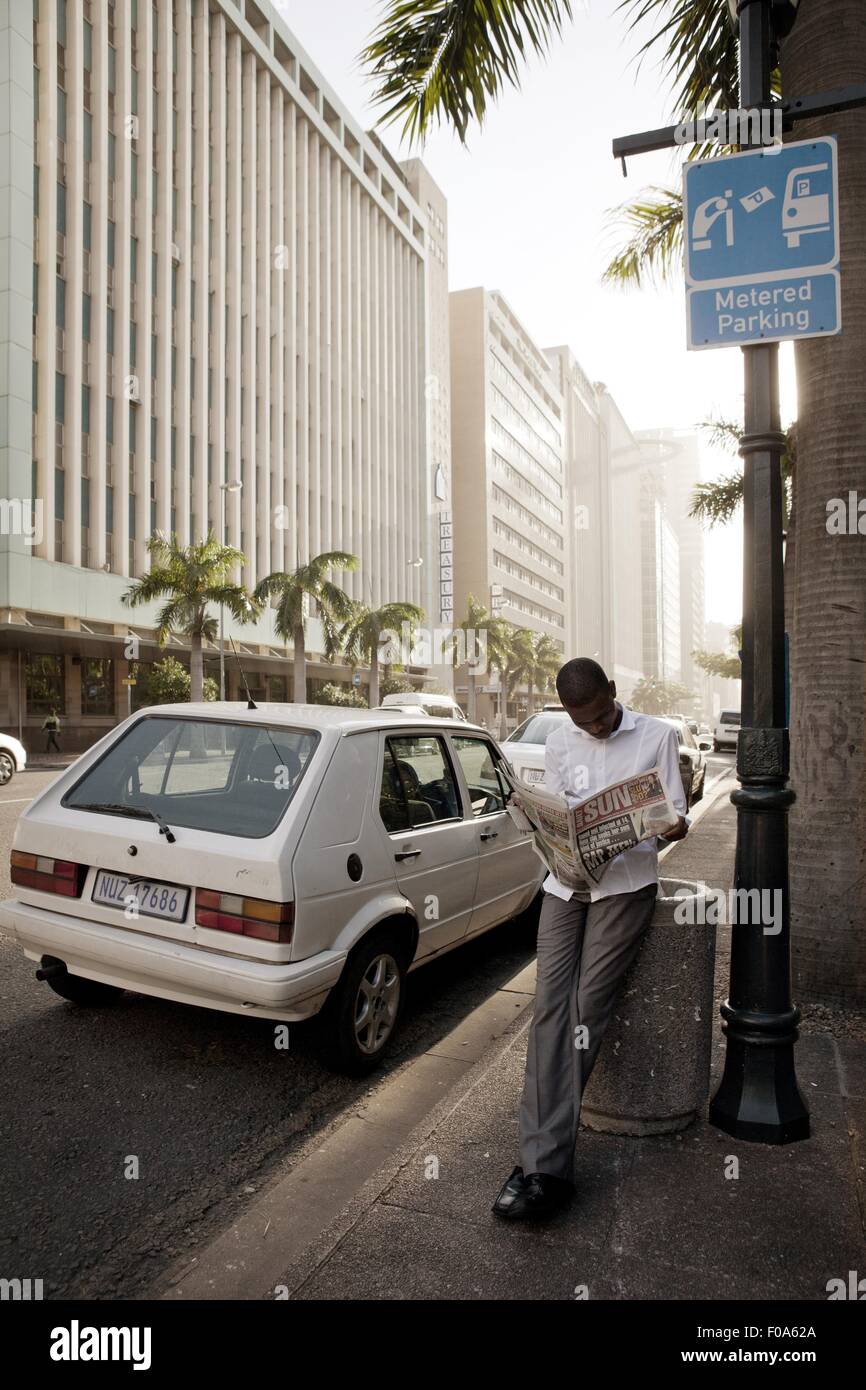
(509, 1192)
(541, 1194)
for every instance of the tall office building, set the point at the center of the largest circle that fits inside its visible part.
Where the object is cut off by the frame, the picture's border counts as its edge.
(672, 457)
(509, 487)
(626, 543)
(210, 274)
(660, 561)
(589, 533)
(437, 576)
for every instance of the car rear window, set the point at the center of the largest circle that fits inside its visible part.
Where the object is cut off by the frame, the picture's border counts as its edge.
(731, 716)
(233, 779)
(538, 728)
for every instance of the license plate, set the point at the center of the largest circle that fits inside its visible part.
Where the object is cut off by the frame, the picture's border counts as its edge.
(148, 897)
(533, 774)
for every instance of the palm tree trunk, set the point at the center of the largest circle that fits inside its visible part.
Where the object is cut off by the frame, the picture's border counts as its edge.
(373, 698)
(471, 700)
(530, 696)
(503, 704)
(196, 669)
(827, 50)
(300, 666)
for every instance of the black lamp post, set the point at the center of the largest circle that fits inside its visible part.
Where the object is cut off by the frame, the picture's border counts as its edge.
(758, 1098)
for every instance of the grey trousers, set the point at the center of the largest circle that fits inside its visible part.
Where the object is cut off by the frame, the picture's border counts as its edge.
(584, 950)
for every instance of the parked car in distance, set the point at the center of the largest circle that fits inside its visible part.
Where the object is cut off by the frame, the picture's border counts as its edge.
(13, 758)
(438, 706)
(284, 862)
(524, 749)
(727, 730)
(693, 763)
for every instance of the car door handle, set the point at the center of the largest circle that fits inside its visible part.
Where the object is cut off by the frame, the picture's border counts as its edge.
(489, 834)
(407, 853)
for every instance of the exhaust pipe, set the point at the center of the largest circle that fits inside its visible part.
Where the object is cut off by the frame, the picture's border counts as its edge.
(50, 972)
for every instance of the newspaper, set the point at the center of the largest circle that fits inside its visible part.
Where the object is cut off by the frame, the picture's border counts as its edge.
(577, 843)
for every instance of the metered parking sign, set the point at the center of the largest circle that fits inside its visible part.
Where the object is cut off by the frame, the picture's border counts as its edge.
(761, 234)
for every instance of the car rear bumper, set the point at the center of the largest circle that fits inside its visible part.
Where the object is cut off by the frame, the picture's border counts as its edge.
(172, 970)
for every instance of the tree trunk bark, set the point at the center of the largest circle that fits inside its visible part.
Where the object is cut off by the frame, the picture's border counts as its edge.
(196, 669)
(827, 573)
(373, 698)
(471, 699)
(299, 667)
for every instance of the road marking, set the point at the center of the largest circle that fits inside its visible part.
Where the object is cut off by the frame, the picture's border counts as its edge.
(10, 800)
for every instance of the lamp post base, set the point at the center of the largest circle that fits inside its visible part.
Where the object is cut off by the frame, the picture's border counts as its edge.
(758, 1099)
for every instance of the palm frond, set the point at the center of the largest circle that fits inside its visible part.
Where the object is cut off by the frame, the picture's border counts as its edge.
(654, 249)
(448, 60)
(697, 50)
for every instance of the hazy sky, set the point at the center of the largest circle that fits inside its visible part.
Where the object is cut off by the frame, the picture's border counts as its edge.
(528, 203)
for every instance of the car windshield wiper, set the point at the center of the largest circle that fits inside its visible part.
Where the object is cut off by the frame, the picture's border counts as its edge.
(139, 812)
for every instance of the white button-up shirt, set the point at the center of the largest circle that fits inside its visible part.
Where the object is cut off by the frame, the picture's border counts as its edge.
(578, 765)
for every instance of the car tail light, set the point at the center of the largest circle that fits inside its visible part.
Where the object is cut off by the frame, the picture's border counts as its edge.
(245, 916)
(48, 875)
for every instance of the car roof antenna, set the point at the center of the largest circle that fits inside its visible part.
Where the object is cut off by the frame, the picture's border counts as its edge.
(251, 704)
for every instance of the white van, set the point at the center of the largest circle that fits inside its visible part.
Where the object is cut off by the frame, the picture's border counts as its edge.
(425, 702)
(281, 862)
(727, 730)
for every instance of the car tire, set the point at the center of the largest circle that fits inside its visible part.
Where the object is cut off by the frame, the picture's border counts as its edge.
(380, 960)
(91, 994)
(7, 768)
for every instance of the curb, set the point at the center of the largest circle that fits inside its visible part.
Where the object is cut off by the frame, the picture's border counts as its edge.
(291, 1227)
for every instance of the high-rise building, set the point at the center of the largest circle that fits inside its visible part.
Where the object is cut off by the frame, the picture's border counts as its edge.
(438, 559)
(210, 274)
(672, 458)
(589, 534)
(509, 486)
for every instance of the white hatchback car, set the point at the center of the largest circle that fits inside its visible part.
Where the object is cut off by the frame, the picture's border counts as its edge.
(283, 861)
(13, 758)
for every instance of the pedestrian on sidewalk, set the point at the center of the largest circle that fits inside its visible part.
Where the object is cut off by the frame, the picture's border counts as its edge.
(587, 939)
(51, 726)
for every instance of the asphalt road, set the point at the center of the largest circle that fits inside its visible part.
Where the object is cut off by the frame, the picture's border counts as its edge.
(203, 1100)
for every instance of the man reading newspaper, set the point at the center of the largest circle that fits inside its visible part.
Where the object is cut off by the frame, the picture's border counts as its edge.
(587, 937)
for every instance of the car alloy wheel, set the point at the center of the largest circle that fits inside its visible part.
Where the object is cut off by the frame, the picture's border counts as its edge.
(377, 1003)
(7, 767)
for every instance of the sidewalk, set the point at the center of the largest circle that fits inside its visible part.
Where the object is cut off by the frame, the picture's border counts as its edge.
(653, 1218)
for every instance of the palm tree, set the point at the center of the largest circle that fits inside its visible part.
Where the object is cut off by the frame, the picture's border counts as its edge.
(448, 58)
(716, 503)
(542, 673)
(826, 574)
(435, 58)
(192, 577)
(291, 591)
(361, 635)
(518, 667)
(478, 620)
(652, 696)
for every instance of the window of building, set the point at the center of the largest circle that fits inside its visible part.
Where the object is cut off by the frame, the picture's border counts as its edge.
(61, 114)
(88, 227)
(112, 68)
(44, 684)
(85, 410)
(133, 342)
(85, 502)
(109, 331)
(59, 397)
(59, 494)
(97, 685)
(35, 190)
(85, 317)
(112, 156)
(88, 46)
(109, 508)
(61, 208)
(60, 302)
(110, 243)
(88, 136)
(133, 259)
(109, 419)
(134, 174)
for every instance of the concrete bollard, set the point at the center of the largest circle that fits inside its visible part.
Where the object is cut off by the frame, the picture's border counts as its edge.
(652, 1072)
